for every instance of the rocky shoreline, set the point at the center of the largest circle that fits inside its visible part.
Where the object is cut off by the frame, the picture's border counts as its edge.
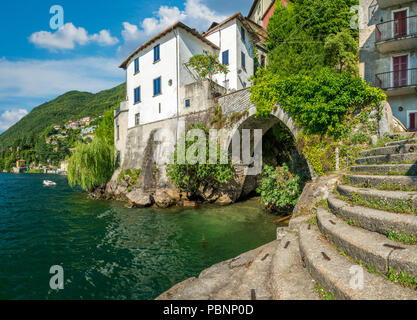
(165, 195)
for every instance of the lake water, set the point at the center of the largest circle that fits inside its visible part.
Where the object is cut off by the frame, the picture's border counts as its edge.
(108, 251)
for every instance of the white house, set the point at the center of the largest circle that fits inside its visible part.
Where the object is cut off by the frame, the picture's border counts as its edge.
(237, 38)
(156, 71)
(156, 74)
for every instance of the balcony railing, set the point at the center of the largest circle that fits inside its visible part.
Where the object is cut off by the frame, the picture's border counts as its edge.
(397, 79)
(395, 29)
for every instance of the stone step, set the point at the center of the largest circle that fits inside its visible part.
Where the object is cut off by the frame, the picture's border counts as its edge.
(335, 273)
(369, 247)
(374, 220)
(387, 169)
(388, 182)
(394, 149)
(290, 279)
(401, 142)
(391, 198)
(220, 281)
(256, 281)
(389, 158)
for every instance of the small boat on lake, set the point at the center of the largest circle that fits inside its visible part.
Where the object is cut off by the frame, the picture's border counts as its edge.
(49, 183)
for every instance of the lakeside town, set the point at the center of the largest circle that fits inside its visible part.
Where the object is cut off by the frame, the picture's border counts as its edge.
(60, 137)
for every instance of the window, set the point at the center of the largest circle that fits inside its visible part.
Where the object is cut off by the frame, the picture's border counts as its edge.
(136, 65)
(400, 65)
(242, 32)
(137, 95)
(243, 57)
(137, 119)
(157, 86)
(187, 103)
(156, 53)
(225, 57)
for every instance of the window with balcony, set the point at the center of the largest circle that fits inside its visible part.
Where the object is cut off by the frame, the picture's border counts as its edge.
(400, 75)
(400, 23)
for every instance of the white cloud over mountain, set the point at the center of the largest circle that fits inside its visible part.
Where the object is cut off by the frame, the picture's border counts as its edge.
(68, 36)
(10, 117)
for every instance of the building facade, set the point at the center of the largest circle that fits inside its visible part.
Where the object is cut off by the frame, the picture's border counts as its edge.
(388, 54)
(262, 10)
(159, 84)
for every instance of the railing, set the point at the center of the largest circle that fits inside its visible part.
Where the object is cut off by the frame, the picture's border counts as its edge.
(395, 29)
(396, 79)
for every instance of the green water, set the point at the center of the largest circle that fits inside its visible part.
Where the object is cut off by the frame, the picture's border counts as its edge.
(106, 250)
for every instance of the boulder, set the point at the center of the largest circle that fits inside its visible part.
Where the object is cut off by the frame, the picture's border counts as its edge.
(189, 204)
(165, 198)
(224, 200)
(139, 198)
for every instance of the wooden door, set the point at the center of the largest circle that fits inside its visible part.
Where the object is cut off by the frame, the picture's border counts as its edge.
(400, 23)
(413, 121)
(400, 71)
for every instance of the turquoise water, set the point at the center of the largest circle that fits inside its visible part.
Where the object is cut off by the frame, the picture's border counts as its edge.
(106, 250)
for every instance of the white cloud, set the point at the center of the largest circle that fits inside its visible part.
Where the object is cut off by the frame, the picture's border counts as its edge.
(27, 83)
(31, 78)
(69, 36)
(10, 117)
(195, 15)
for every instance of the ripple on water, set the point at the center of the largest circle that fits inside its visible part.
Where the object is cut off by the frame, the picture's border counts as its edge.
(106, 250)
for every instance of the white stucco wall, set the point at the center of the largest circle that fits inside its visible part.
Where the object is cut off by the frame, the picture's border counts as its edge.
(228, 37)
(176, 48)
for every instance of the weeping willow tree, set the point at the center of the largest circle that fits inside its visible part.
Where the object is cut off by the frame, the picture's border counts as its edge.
(92, 165)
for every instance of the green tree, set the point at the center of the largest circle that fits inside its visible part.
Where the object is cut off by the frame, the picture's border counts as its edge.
(206, 64)
(190, 177)
(92, 165)
(341, 51)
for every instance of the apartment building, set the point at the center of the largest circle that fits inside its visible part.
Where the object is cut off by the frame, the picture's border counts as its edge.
(388, 53)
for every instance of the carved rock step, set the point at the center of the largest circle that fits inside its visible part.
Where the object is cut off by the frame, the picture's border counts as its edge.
(401, 142)
(392, 198)
(256, 281)
(335, 273)
(379, 181)
(374, 220)
(393, 149)
(221, 281)
(290, 279)
(369, 247)
(387, 169)
(389, 158)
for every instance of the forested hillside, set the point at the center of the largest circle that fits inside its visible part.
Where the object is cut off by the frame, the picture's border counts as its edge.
(69, 106)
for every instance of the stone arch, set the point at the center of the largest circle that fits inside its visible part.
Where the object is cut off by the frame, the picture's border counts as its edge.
(278, 114)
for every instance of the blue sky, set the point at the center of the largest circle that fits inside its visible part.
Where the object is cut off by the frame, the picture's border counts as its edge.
(38, 64)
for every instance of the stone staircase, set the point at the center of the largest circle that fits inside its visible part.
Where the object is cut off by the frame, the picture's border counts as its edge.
(344, 249)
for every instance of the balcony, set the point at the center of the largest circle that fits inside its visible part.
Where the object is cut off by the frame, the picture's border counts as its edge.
(397, 35)
(397, 83)
(389, 3)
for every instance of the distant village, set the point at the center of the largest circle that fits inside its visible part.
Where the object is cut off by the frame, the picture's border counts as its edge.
(74, 130)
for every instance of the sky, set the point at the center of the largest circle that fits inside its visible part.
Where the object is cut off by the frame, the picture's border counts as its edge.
(39, 63)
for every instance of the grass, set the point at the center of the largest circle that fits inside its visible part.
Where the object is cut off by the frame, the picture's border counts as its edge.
(402, 278)
(405, 207)
(323, 294)
(402, 237)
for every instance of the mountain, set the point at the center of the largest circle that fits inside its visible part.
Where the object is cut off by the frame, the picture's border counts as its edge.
(72, 105)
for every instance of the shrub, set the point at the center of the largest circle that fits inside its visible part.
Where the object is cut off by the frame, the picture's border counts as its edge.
(190, 177)
(280, 189)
